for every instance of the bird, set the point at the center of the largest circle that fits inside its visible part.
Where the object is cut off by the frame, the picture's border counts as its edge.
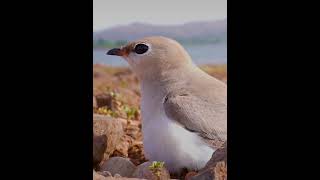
(183, 109)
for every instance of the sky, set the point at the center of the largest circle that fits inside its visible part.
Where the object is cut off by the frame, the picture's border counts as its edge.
(110, 13)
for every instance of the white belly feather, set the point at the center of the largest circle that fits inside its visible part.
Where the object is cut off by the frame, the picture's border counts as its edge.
(164, 140)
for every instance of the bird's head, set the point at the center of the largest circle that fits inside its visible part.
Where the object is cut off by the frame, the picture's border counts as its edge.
(153, 55)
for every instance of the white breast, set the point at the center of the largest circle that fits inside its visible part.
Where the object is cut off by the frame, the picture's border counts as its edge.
(164, 140)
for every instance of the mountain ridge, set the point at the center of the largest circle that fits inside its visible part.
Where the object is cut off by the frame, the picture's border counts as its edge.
(191, 31)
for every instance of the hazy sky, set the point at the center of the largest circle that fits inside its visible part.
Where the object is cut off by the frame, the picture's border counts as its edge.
(108, 13)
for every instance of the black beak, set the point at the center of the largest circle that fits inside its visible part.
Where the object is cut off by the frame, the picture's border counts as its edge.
(115, 51)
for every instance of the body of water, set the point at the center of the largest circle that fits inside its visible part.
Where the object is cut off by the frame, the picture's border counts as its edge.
(201, 54)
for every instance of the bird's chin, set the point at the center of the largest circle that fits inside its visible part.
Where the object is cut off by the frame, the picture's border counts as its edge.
(131, 63)
(125, 58)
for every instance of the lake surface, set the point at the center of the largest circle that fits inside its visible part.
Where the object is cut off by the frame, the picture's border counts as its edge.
(201, 54)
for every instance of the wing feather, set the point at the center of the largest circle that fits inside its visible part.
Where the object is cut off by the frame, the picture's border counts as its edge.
(197, 114)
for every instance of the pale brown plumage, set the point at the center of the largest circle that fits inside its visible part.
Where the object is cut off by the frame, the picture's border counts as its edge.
(197, 101)
(174, 87)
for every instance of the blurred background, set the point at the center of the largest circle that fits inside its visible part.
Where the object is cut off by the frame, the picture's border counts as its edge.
(200, 26)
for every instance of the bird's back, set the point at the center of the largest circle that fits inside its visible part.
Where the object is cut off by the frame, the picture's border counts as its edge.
(199, 103)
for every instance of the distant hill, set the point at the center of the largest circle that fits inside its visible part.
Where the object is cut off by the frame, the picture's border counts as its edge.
(193, 32)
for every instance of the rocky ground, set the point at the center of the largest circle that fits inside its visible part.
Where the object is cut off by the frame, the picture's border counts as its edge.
(117, 148)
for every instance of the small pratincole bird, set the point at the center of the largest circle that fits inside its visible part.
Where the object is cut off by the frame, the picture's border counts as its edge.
(184, 110)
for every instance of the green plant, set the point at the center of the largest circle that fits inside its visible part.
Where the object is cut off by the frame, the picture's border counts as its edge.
(106, 111)
(156, 167)
(123, 84)
(130, 111)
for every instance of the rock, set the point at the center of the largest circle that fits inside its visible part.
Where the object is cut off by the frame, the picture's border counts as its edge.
(189, 175)
(136, 153)
(132, 130)
(123, 147)
(97, 176)
(219, 155)
(104, 173)
(143, 171)
(122, 178)
(112, 128)
(104, 100)
(216, 168)
(119, 165)
(123, 121)
(96, 75)
(99, 147)
(220, 171)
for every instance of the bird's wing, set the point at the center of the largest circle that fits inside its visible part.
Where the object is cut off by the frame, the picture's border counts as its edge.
(199, 115)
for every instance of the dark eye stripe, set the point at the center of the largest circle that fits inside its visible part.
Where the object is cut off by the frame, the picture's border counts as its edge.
(141, 48)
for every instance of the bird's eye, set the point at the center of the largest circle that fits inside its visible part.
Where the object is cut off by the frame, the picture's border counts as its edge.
(141, 48)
